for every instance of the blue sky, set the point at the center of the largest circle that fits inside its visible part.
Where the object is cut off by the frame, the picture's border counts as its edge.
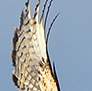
(70, 42)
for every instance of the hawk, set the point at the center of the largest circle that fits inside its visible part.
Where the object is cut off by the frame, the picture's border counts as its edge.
(33, 70)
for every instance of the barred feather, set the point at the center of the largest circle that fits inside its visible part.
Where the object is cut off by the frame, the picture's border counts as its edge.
(33, 71)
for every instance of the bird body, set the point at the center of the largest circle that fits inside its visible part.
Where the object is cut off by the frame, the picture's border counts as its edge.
(33, 71)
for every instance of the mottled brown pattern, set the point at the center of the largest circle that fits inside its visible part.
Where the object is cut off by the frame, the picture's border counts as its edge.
(48, 82)
(32, 68)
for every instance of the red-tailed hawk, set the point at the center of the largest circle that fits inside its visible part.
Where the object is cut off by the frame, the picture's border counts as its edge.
(33, 71)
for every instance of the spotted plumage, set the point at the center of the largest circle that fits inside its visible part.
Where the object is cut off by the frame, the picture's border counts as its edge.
(33, 71)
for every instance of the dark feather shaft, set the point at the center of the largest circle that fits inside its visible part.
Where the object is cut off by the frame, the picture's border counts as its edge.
(51, 27)
(43, 10)
(47, 14)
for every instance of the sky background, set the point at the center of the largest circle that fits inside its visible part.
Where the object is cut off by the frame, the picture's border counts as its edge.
(70, 42)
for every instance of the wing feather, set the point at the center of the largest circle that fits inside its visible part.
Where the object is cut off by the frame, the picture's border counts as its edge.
(29, 55)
